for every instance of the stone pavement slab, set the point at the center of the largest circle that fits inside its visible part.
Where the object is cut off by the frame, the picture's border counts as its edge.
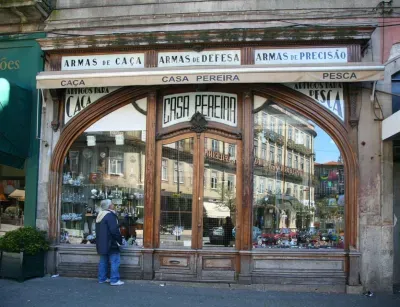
(62, 291)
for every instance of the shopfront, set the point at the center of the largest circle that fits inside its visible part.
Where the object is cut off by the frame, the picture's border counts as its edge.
(19, 144)
(218, 162)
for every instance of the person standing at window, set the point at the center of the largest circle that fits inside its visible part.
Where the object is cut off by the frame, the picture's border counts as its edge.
(228, 228)
(108, 240)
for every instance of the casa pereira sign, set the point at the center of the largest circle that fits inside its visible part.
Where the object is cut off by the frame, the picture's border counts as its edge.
(77, 99)
(328, 94)
(300, 56)
(239, 77)
(217, 107)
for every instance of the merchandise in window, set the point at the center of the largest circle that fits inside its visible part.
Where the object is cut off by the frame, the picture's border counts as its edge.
(106, 165)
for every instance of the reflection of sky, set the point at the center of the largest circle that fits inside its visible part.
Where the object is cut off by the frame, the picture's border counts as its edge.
(324, 147)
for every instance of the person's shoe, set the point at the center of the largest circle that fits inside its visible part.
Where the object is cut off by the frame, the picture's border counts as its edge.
(103, 282)
(118, 283)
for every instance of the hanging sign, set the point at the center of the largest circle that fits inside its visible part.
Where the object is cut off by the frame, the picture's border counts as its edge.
(77, 99)
(203, 58)
(301, 56)
(329, 95)
(103, 61)
(217, 107)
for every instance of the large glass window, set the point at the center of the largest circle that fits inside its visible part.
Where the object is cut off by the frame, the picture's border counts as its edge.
(215, 145)
(219, 200)
(176, 195)
(106, 162)
(178, 172)
(264, 121)
(214, 180)
(164, 169)
(280, 127)
(300, 205)
(289, 159)
(290, 133)
(272, 123)
(280, 155)
(272, 154)
(264, 151)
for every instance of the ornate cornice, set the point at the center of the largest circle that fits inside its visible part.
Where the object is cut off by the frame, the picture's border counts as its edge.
(206, 38)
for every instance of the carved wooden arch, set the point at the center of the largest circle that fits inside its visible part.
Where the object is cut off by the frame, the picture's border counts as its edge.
(337, 131)
(280, 94)
(75, 127)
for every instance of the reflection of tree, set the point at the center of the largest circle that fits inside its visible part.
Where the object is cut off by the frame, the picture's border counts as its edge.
(326, 211)
(227, 198)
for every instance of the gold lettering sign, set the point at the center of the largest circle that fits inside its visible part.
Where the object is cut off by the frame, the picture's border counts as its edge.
(8, 64)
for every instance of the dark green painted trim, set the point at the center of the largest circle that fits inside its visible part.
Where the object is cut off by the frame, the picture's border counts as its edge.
(19, 37)
(32, 162)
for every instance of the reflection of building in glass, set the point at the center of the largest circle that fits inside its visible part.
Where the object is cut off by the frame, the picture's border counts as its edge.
(283, 149)
(177, 180)
(329, 195)
(286, 210)
(330, 177)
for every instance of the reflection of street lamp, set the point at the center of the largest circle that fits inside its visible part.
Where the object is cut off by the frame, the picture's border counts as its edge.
(178, 237)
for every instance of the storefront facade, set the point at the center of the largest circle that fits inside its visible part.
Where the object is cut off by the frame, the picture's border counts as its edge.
(19, 144)
(184, 140)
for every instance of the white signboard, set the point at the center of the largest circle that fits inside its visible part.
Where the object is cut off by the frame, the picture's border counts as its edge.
(103, 61)
(217, 107)
(77, 99)
(203, 58)
(329, 95)
(301, 56)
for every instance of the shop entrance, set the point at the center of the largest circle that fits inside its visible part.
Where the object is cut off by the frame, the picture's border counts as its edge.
(198, 191)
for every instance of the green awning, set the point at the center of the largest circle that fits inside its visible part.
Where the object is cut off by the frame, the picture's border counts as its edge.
(15, 120)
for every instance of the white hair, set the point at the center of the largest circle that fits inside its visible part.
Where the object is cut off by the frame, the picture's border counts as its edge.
(105, 204)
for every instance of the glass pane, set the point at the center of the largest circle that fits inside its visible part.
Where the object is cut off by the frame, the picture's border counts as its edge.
(106, 162)
(219, 205)
(176, 194)
(299, 187)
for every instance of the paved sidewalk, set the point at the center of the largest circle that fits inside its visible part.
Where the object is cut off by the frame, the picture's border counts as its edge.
(62, 291)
